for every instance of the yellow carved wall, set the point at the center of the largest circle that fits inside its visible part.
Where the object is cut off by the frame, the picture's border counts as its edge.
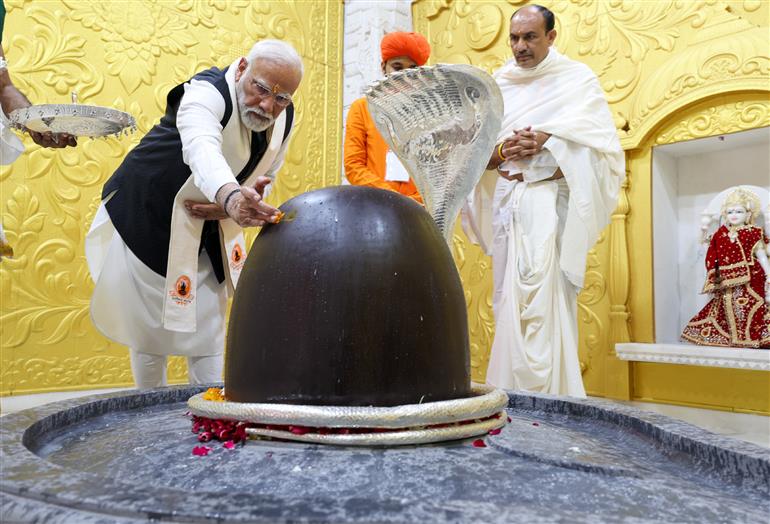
(127, 54)
(671, 71)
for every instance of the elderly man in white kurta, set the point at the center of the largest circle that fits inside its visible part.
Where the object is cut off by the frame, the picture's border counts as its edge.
(166, 245)
(558, 166)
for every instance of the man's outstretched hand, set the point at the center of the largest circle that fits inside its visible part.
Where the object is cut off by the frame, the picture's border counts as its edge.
(245, 205)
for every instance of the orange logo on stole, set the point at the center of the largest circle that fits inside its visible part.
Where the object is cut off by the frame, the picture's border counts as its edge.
(182, 293)
(236, 258)
(237, 254)
(183, 286)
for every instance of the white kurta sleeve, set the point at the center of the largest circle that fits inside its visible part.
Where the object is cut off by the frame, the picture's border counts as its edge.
(198, 121)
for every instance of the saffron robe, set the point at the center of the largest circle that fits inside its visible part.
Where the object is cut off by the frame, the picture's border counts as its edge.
(366, 151)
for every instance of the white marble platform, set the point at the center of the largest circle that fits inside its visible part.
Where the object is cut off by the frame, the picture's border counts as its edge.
(738, 358)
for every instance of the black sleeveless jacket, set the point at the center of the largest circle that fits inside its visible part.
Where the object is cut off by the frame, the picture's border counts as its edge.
(152, 173)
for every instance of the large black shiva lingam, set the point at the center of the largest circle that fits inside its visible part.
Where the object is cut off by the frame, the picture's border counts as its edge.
(349, 321)
(350, 313)
(352, 301)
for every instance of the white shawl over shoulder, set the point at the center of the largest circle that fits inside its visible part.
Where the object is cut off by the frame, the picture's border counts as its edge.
(561, 97)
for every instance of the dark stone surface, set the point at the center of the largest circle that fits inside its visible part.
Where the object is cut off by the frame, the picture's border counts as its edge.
(313, 318)
(129, 458)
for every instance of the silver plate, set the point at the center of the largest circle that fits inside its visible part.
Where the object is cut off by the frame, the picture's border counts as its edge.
(73, 119)
(484, 402)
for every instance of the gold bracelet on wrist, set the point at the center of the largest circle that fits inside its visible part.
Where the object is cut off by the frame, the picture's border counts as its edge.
(500, 152)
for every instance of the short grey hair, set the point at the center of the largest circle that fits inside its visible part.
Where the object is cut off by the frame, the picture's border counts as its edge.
(276, 51)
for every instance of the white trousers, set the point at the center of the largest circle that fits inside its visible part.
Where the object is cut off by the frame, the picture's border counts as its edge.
(150, 370)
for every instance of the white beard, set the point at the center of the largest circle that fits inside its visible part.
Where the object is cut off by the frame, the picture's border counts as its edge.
(253, 118)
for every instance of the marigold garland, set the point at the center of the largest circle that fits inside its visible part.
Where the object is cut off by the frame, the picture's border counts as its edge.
(215, 394)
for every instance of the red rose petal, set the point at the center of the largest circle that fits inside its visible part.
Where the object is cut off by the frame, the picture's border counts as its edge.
(495, 431)
(201, 451)
(509, 419)
(229, 444)
(240, 433)
(479, 443)
(299, 430)
(535, 424)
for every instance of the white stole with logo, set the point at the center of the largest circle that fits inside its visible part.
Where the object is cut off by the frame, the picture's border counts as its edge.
(182, 268)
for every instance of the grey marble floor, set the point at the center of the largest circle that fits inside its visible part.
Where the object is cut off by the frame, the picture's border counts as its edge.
(127, 456)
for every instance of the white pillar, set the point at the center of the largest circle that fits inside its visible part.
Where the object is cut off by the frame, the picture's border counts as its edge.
(365, 23)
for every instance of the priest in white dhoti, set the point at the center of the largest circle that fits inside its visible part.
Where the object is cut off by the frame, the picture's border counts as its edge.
(552, 184)
(166, 246)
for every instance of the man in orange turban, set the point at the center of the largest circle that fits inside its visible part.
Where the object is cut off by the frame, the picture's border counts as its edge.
(368, 161)
(400, 44)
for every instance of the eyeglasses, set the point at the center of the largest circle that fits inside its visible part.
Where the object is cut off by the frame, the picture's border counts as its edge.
(262, 90)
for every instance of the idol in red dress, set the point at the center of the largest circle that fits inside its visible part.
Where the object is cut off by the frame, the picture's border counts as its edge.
(738, 274)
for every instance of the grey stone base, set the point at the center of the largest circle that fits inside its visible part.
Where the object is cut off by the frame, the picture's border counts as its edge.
(128, 457)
